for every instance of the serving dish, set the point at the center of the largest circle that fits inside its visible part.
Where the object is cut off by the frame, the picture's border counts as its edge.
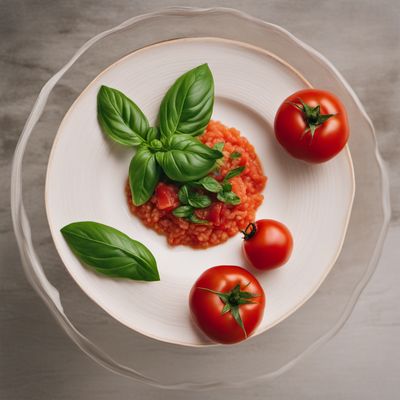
(205, 367)
(87, 174)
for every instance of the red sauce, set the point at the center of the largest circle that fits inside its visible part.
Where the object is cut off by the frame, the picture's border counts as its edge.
(224, 220)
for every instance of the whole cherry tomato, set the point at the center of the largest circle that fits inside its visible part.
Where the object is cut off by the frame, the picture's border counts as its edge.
(227, 303)
(267, 244)
(312, 125)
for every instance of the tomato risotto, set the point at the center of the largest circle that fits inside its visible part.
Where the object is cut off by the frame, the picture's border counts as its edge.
(221, 220)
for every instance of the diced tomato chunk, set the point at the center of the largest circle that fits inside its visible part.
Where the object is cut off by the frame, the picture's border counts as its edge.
(166, 197)
(214, 214)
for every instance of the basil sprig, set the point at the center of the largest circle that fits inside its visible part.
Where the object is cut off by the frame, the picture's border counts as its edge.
(110, 252)
(185, 112)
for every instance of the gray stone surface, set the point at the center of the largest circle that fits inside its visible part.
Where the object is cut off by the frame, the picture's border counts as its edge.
(37, 361)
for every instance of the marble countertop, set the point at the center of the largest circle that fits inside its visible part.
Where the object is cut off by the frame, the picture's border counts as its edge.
(38, 361)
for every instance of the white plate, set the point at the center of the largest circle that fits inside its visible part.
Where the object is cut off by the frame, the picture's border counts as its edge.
(87, 173)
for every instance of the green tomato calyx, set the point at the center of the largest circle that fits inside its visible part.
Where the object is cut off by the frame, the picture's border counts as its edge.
(232, 300)
(311, 115)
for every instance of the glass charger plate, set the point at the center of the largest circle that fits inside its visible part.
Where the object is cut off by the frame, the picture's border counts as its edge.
(121, 349)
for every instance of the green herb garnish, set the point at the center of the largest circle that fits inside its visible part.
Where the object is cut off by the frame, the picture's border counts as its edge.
(219, 146)
(188, 212)
(171, 149)
(188, 104)
(234, 172)
(110, 252)
(235, 155)
(121, 119)
(183, 211)
(192, 200)
(229, 198)
(210, 184)
(184, 113)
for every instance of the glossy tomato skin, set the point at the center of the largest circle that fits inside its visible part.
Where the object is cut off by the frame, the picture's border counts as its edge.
(206, 307)
(329, 138)
(271, 245)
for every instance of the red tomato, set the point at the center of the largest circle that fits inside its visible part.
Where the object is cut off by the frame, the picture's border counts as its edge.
(267, 244)
(227, 303)
(312, 125)
(166, 197)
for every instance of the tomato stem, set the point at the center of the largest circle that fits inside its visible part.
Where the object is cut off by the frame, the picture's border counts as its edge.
(247, 235)
(311, 115)
(232, 301)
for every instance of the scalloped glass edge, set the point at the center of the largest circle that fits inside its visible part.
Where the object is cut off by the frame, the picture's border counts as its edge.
(50, 295)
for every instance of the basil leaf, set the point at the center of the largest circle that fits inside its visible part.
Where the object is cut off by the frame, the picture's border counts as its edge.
(199, 200)
(227, 187)
(110, 251)
(187, 159)
(234, 172)
(183, 194)
(194, 185)
(235, 155)
(219, 146)
(121, 119)
(229, 198)
(188, 104)
(144, 174)
(196, 200)
(211, 184)
(183, 211)
(193, 218)
(188, 213)
(152, 133)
